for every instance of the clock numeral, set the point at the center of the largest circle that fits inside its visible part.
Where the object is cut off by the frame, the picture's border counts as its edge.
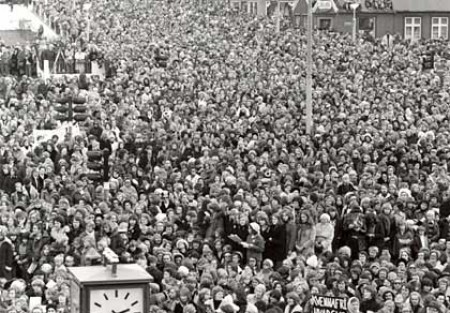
(134, 303)
(106, 297)
(97, 304)
(127, 295)
(116, 292)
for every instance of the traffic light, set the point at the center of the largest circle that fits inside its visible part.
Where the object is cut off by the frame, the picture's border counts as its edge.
(428, 60)
(80, 109)
(64, 108)
(97, 164)
(72, 109)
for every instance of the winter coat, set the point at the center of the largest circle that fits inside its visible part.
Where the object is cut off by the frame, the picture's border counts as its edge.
(217, 224)
(6, 260)
(402, 240)
(382, 230)
(291, 236)
(256, 248)
(324, 235)
(306, 236)
(276, 243)
(370, 305)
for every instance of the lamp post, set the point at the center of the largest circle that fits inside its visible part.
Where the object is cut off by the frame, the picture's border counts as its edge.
(278, 17)
(87, 8)
(262, 8)
(309, 69)
(354, 6)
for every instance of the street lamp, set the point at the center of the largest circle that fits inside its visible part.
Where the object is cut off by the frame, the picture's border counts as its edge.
(278, 17)
(354, 6)
(87, 8)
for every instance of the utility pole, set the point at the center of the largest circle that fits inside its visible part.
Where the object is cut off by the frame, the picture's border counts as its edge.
(309, 61)
(262, 8)
(354, 6)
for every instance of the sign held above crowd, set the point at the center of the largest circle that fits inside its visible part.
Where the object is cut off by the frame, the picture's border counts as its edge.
(325, 304)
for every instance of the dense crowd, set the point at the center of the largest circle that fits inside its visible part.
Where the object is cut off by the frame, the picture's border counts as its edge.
(212, 183)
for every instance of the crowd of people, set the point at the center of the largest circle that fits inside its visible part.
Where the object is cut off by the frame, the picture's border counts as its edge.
(213, 184)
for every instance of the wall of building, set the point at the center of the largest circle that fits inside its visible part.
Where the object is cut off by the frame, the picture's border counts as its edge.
(392, 23)
(385, 23)
(426, 21)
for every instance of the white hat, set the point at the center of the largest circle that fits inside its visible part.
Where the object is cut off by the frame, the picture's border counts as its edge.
(255, 227)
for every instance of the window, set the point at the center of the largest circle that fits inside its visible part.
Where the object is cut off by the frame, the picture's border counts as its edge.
(439, 28)
(413, 28)
(325, 23)
(253, 7)
(367, 25)
(286, 8)
(236, 5)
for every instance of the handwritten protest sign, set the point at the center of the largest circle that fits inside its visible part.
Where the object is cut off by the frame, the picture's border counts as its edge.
(324, 304)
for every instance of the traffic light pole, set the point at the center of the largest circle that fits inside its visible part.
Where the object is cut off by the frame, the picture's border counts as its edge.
(70, 115)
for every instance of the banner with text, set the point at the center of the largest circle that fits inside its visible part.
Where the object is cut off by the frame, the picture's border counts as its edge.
(324, 304)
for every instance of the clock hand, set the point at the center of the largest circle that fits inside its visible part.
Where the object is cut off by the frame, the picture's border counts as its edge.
(124, 311)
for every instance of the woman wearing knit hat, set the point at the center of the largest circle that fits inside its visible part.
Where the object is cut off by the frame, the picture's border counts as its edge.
(254, 244)
(293, 303)
(324, 234)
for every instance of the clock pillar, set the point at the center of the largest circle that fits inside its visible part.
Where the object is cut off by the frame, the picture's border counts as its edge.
(95, 289)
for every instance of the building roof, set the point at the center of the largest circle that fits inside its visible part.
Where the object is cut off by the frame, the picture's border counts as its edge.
(397, 6)
(342, 7)
(421, 5)
(126, 273)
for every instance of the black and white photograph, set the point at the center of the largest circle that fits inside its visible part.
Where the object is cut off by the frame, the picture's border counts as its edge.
(224, 156)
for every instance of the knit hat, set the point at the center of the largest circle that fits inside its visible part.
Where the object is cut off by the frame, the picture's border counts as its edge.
(293, 296)
(255, 227)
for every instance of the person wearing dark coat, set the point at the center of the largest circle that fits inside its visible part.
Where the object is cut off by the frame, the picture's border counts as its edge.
(276, 242)
(6, 256)
(383, 227)
(369, 302)
(240, 230)
(444, 209)
(7, 182)
(291, 230)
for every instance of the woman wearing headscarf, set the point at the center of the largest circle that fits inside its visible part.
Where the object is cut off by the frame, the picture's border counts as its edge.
(324, 234)
(254, 244)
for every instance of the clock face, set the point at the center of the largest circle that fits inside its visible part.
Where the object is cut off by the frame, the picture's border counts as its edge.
(117, 300)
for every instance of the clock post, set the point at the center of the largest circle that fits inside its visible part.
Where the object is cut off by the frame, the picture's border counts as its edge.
(112, 258)
(110, 288)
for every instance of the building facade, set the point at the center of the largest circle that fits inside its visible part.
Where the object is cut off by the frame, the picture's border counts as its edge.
(411, 19)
